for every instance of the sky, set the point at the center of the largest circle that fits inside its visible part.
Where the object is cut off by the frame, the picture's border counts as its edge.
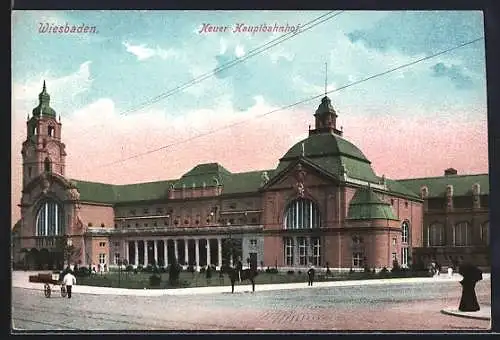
(414, 122)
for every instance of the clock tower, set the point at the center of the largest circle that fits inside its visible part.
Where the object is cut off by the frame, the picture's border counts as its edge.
(43, 151)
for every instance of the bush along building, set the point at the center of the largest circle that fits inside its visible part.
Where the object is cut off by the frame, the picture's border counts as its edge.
(323, 205)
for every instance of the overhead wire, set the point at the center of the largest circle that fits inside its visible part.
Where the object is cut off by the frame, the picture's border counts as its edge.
(297, 103)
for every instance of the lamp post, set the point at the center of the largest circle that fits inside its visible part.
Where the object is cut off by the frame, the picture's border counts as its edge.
(119, 271)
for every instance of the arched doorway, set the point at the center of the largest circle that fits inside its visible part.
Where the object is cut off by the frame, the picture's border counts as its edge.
(49, 225)
(301, 250)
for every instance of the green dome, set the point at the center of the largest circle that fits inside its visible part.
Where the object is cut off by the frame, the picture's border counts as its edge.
(365, 205)
(333, 154)
(43, 108)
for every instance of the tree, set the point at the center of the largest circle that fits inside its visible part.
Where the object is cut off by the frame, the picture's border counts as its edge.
(66, 250)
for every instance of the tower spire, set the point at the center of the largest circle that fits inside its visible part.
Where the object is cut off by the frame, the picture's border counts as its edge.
(44, 90)
(326, 78)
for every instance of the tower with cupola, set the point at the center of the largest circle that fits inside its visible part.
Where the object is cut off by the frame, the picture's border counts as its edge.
(43, 150)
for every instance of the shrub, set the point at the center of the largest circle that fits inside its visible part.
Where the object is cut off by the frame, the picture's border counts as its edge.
(129, 268)
(154, 280)
(299, 272)
(140, 268)
(384, 272)
(272, 270)
(148, 269)
(82, 272)
(351, 271)
(162, 269)
(290, 272)
(173, 273)
(202, 269)
(366, 269)
(190, 268)
(395, 267)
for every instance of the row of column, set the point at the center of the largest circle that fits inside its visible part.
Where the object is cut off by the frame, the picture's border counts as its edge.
(176, 251)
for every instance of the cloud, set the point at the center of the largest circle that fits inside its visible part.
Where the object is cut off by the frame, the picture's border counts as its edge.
(143, 53)
(25, 96)
(239, 51)
(454, 73)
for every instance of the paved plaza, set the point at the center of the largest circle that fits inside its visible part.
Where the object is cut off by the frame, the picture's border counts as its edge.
(355, 306)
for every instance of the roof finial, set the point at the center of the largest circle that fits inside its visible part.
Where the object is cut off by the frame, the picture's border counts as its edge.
(326, 78)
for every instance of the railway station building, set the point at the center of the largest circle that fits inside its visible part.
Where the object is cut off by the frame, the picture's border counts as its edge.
(322, 204)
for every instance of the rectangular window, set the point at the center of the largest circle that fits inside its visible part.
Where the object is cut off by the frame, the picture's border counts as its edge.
(357, 260)
(460, 234)
(302, 251)
(394, 241)
(404, 232)
(404, 257)
(288, 251)
(435, 235)
(316, 251)
(253, 243)
(117, 258)
(102, 244)
(394, 256)
(102, 258)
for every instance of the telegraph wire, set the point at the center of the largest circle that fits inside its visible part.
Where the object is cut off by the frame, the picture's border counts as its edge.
(282, 38)
(297, 103)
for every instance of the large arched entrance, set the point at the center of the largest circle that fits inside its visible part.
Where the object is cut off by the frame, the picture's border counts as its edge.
(49, 227)
(305, 249)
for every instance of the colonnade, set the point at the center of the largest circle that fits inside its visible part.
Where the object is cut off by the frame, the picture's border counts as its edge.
(155, 242)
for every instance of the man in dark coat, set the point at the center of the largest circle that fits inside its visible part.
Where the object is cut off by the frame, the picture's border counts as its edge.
(310, 275)
(239, 267)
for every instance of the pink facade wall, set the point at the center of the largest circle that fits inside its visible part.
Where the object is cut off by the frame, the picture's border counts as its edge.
(97, 215)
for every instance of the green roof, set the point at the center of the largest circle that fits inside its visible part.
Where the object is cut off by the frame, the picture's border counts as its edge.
(209, 174)
(325, 144)
(95, 192)
(462, 184)
(333, 154)
(244, 182)
(399, 188)
(236, 183)
(365, 205)
(142, 191)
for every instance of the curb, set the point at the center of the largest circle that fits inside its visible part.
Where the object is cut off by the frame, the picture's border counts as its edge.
(468, 315)
(94, 290)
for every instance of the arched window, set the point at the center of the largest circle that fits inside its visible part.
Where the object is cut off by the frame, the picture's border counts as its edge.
(461, 234)
(405, 231)
(435, 235)
(50, 131)
(302, 214)
(50, 219)
(485, 233)
(47, 165)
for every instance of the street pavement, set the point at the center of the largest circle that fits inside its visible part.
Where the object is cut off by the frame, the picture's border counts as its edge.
(377, 306)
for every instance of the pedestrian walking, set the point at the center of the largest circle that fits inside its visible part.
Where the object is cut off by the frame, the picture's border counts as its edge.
(69, 280)
(239, 267)
(310, 275)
